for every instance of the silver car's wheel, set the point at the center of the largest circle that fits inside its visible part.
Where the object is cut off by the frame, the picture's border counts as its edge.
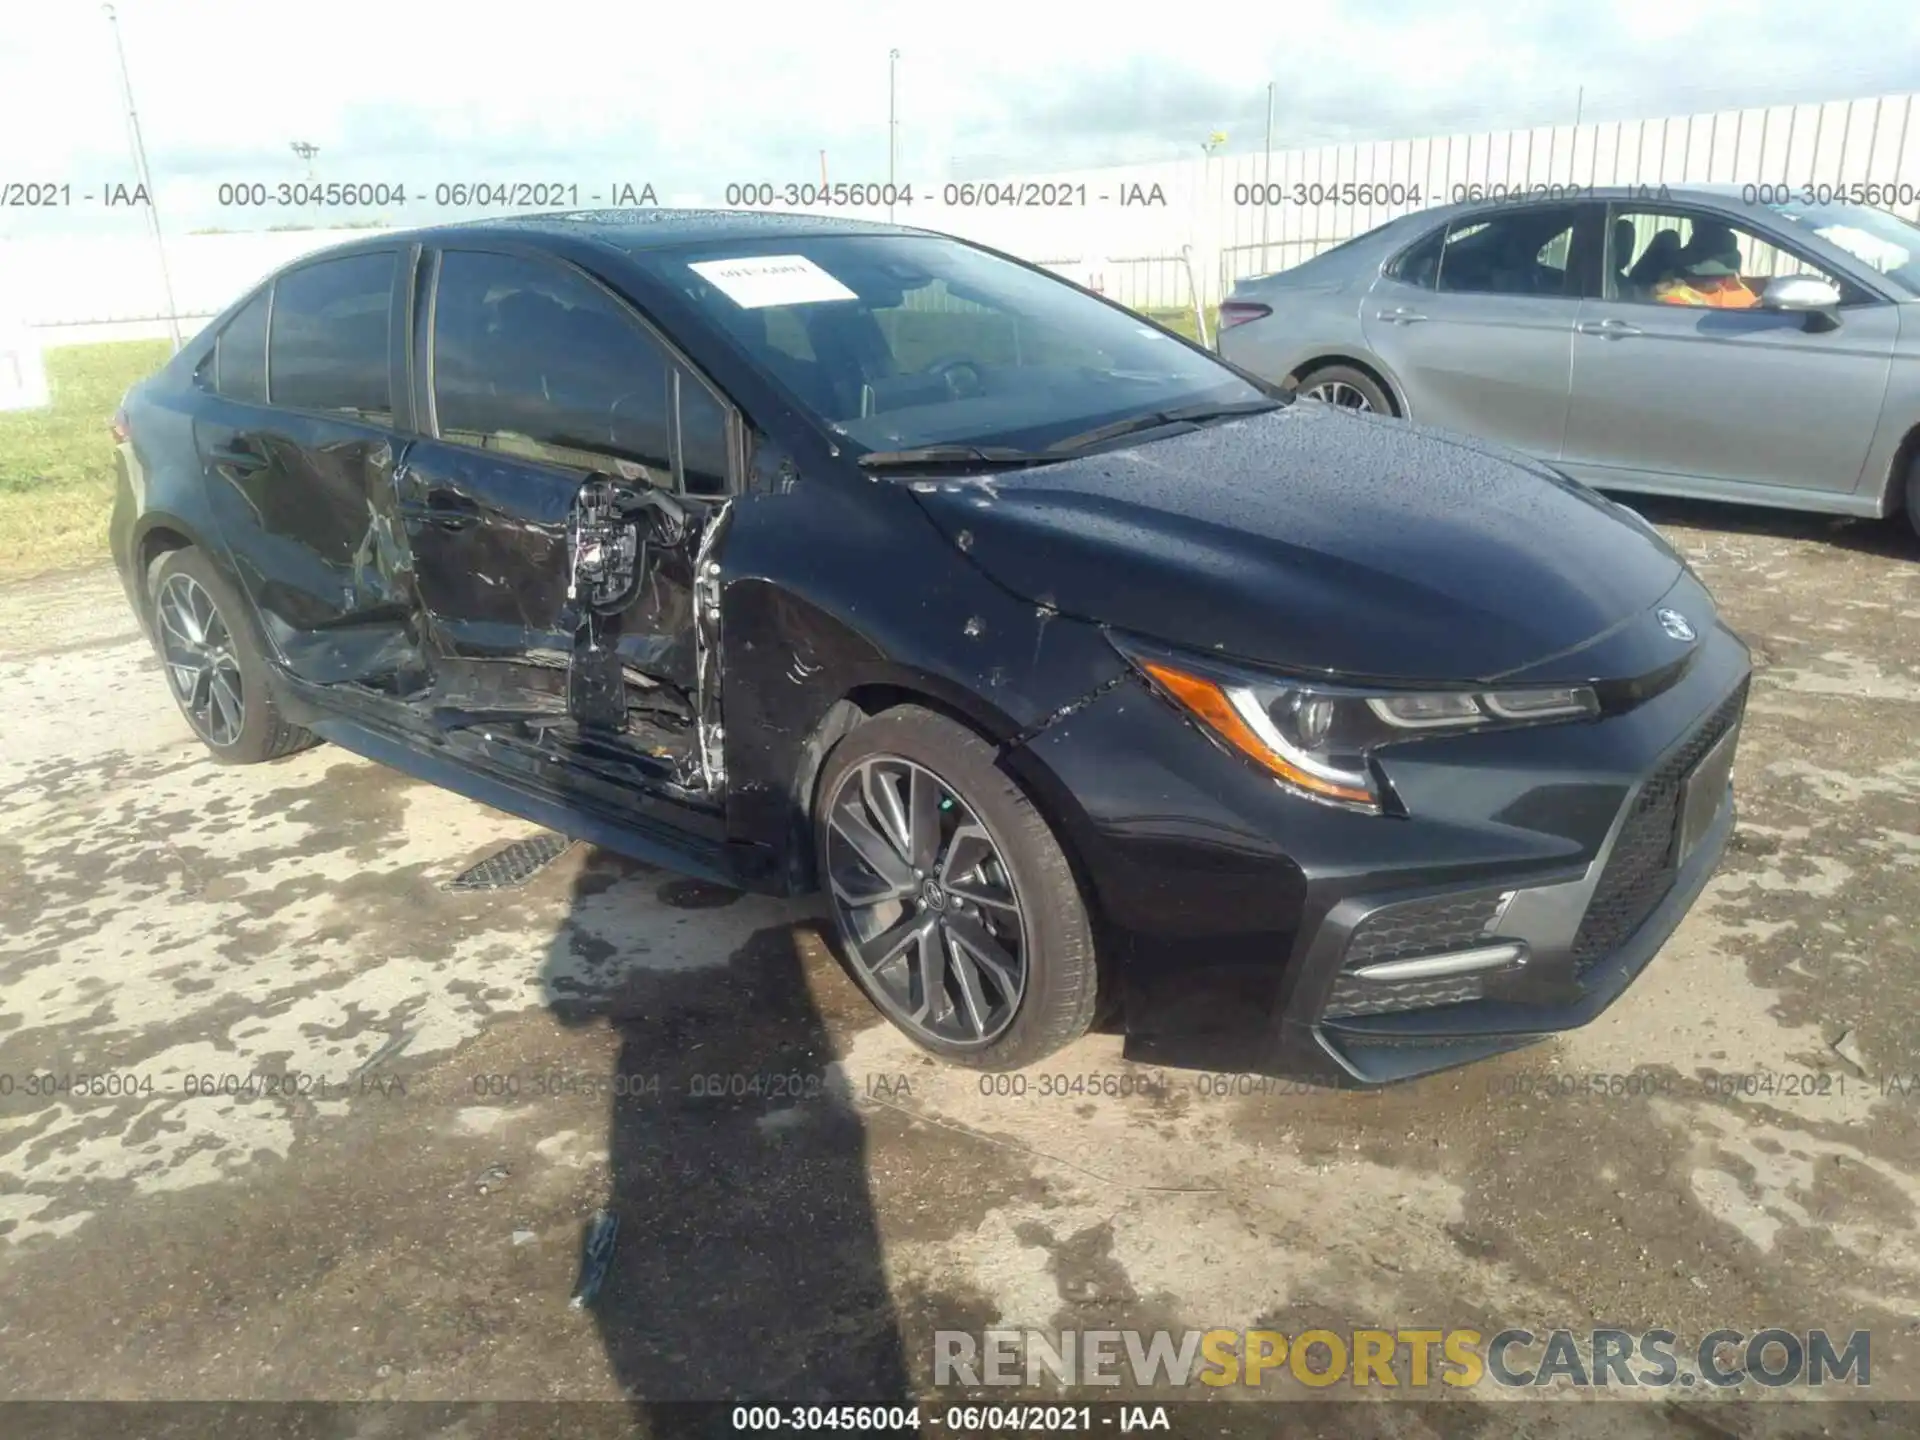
(926, 903)
(1346, 387)
(1338, 392)
(196, 646)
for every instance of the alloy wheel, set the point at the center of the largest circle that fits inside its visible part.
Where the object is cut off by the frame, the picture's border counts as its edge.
(197, 648)
(1338, 392)
(925, 903)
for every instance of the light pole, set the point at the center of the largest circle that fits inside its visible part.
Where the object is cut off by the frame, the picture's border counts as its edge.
(1266, 181)
(145, 178)
(893, 126)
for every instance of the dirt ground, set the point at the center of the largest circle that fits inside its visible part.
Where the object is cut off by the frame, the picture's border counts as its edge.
(457, 1080)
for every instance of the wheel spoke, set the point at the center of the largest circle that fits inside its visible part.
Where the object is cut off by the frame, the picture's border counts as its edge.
(968, 848)
(228, 700)
(888, 810)
(886, 947)
(184, 611)
(981, 895)
(965, 971)
(932, 975)
(978, 942)
(873, 848)
(923, 819)
(172, 623)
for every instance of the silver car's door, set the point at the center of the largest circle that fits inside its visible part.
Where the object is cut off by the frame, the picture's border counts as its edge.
(1683, 383)
(1476, 321)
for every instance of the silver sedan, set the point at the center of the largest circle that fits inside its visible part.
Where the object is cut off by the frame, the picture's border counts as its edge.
(1721, 342)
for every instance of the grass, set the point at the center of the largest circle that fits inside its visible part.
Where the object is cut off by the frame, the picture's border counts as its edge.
(1181, 321)
(56, 464)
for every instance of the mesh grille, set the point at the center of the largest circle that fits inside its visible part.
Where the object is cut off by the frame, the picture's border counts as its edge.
(1399, 932)
(1640, 870)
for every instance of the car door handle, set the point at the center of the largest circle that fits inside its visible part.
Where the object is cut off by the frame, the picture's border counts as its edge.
(1399, 315)
(243, 460)
(1611, 329)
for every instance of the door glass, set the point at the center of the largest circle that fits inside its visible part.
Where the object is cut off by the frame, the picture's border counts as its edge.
(329, 346)
(1421, 264)
(1680, 257)
(703, 440)
(1522, 252)
(240, 354)
(532, 359)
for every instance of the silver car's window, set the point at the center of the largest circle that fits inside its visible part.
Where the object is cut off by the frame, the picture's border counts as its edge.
(1519, 252)
(901, 341)
(1885, 242)
(1668, 255)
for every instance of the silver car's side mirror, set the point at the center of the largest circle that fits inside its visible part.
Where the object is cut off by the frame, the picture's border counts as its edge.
(1800, 293)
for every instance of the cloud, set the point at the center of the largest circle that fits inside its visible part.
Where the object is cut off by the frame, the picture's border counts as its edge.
(691, 99)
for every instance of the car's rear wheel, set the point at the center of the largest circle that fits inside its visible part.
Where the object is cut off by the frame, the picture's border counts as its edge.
(1347, 388)
(957, 911)
(214, 664)
(1913, 495)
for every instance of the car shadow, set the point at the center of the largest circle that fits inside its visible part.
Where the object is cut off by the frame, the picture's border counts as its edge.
(1891, 539)
(747, 1264)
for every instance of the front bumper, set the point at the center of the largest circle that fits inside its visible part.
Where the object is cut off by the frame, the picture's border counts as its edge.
(1236, 917)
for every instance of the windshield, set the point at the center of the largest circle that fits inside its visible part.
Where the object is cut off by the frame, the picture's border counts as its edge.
(905, 341)
(1886, 242)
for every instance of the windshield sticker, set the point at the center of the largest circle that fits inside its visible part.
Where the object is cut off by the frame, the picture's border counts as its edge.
(757, 281)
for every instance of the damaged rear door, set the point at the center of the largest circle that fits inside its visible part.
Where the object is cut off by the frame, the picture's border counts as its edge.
(556, 508)
(297, 442)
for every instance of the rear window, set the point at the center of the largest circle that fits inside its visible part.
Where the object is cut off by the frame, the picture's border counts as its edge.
(240, 354)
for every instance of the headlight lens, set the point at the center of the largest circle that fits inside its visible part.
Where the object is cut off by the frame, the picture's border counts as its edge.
(1316, 738)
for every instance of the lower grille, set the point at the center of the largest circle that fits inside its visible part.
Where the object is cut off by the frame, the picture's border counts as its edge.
(1640, 871)
(1400, 932)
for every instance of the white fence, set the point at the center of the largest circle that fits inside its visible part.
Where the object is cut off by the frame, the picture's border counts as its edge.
(1149, 235)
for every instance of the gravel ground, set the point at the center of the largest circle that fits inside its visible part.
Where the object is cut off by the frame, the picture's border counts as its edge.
(478, 1072)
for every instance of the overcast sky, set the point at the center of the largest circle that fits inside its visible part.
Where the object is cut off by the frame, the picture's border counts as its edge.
(690, 97)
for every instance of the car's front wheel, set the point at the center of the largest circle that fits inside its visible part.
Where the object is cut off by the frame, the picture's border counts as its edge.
(214, 663)
(957, 911)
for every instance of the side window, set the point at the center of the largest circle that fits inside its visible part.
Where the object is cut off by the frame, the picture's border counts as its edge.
(1421, 264)
(1690, 257)
(532, 359)
(703, 439)
(329, 346)
(1518, 252)
(240, 354)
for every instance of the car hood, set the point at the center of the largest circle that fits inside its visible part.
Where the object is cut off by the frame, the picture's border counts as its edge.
(1310, 538)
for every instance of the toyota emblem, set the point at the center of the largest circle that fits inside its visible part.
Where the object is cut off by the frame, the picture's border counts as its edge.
(1676, 624)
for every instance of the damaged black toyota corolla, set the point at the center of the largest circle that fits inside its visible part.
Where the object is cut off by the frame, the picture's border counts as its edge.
(1085, 675)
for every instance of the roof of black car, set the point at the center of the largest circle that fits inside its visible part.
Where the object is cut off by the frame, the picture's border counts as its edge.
(652, 228)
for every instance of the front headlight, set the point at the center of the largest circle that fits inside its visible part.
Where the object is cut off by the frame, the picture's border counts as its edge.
(1316, 738)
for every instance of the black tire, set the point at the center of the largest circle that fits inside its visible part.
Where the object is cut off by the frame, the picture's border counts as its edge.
(1061, 976)
(1913, 495)
(1357, 381)
(262, 734)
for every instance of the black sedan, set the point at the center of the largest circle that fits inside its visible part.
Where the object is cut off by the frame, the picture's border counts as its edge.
(1089, 676)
